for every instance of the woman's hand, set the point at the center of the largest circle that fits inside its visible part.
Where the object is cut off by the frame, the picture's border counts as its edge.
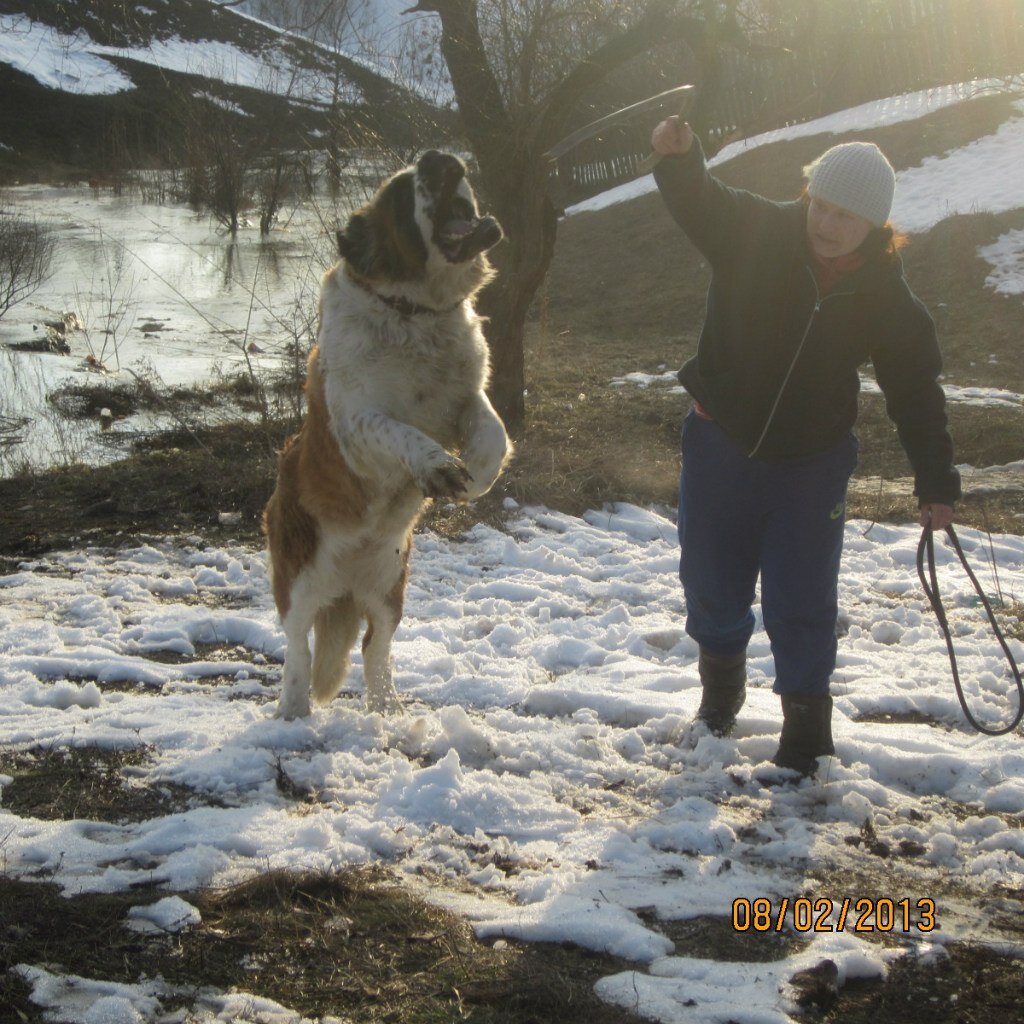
(672, 137)
(938, 517)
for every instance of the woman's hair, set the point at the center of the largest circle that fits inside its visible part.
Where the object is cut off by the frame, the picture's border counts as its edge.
(884, 242)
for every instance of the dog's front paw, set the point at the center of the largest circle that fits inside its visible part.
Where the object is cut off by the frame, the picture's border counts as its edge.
(482, 477)
(447, 479)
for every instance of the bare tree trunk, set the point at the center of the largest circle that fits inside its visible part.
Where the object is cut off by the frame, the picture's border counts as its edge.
(522, 261)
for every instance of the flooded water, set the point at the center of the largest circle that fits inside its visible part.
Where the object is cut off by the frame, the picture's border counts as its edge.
(158, 291)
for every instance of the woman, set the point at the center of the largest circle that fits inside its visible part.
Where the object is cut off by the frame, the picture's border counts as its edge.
(802, 294)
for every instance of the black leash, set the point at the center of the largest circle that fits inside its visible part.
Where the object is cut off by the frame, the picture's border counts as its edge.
(931, 589)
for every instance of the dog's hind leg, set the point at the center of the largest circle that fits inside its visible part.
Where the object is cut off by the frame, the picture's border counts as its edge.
(383, 615)
(381, 695)
(294, 702)
(334, 632)
(304, 605)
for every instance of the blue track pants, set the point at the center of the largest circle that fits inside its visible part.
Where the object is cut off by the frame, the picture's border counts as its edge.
(739, 518)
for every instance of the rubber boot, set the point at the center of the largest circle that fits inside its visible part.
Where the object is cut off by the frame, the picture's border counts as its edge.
(724, 689)
(806, 732)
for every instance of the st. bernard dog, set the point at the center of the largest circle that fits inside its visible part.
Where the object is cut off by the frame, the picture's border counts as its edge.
(396, 414)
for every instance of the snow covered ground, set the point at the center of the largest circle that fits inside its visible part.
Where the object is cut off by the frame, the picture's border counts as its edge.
(548, 686)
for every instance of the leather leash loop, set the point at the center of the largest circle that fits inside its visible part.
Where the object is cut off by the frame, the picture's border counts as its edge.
(930, 583)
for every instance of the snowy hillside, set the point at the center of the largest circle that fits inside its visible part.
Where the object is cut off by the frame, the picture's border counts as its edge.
(65, 61)
(84, 54)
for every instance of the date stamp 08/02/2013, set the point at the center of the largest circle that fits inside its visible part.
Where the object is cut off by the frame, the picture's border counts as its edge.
(804, 914)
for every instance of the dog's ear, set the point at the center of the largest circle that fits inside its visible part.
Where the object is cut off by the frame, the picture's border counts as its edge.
(355, 244)
(382, 239)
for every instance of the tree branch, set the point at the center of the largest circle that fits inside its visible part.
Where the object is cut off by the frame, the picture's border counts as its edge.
(481, 104)
(661, 21)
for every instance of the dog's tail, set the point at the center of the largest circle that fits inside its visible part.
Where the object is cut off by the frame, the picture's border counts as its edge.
(334, 633)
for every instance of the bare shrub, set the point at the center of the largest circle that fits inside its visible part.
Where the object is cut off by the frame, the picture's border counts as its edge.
(109, 304)
(276, 181)
(217, 160)
(26, 252)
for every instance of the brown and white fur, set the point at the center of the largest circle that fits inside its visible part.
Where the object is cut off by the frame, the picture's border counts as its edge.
(395, 388)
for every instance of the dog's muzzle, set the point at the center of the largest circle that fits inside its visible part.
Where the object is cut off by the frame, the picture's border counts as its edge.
(463, 239)
(458, 232)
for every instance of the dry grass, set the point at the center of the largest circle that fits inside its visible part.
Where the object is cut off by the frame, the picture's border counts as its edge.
(1010, 615)
(352, 944)
(358, 945)
(60, 784)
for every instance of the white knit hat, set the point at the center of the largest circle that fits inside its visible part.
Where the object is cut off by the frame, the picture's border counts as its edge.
(855, 176)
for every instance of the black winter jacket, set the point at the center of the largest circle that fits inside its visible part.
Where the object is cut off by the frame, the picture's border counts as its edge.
(776, 365)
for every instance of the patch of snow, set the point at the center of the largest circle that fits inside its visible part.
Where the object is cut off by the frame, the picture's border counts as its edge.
(165, 917)
(1006, 255)
(57, 60)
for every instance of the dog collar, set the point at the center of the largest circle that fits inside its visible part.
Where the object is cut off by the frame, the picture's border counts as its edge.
(401, 305)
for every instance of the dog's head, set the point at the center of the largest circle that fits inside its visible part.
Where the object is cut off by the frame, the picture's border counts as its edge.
(422, 218)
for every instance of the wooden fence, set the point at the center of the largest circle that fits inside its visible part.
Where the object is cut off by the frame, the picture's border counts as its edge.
(834, 54)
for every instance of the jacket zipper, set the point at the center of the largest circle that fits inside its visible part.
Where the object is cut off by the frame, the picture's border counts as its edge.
(818, 300)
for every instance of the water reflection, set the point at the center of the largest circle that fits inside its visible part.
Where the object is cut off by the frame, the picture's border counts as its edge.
(101, 238)
(232, 261)
(158, 287)
(266, 262)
